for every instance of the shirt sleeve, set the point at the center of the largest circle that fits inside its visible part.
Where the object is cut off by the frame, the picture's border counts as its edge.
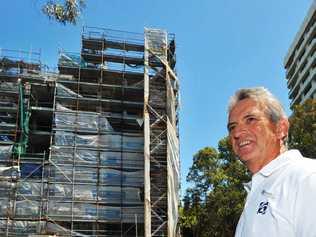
(305, 207)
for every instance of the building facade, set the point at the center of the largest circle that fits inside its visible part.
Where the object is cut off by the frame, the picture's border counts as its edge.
(91, 150)
(300, 61)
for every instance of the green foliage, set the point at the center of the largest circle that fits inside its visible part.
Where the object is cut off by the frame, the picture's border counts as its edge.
(212, 206)
(302, 133)
(66, 12)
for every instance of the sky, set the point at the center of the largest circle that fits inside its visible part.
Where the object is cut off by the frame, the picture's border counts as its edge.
(222, 45)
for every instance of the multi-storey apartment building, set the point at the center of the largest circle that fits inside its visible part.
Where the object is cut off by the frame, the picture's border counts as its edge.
(300, 61)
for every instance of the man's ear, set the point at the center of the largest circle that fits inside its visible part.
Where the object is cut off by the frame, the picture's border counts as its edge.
(282, 128)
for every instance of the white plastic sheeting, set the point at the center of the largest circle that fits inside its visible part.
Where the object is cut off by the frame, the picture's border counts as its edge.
(66, 173)
(157, 42)
(113, 141)
(117, 194)
(82, 121)
(64, 155)
(60, 190)
(27, 208)
(62, 231)
(105, 194)
(91, 211)
(65, 92)
(173, 178)
(29, 188)
(60, 107)
(70, 139)
(171, 105)
(6, 188)
(23, 208)
(5, 152)
(10, 172)
(67, 118)
(33, 228)
(20, 228)
(5, 206)
(9, 86)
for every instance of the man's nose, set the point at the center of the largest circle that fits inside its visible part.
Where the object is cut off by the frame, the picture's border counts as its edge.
(238, 131)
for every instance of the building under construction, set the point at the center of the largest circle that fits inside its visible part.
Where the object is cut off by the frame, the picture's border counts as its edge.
(91, 150)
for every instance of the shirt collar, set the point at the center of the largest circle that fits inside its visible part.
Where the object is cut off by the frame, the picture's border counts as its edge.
(279, 162)
(275, 164)
(247, 186)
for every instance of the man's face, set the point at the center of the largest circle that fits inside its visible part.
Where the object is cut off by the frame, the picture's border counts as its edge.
(254, 138)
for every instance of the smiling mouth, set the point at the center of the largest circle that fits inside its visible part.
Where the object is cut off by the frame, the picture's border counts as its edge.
(243, 143)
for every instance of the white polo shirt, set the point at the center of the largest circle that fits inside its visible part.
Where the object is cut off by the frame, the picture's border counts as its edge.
(281, 200)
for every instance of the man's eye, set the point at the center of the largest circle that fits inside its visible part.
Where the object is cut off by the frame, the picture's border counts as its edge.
(251, 119)
(231, 128)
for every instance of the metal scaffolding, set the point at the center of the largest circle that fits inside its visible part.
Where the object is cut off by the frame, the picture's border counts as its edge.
(161, 140)
(92, 150)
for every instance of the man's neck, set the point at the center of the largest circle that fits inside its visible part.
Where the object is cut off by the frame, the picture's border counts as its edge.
(255, 166)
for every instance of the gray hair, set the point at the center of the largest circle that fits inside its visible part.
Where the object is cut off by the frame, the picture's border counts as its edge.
(273, 108)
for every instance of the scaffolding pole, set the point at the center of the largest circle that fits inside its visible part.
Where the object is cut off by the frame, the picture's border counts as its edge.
(147, 205)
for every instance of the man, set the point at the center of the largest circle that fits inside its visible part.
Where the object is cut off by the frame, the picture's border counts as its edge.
(281, 200)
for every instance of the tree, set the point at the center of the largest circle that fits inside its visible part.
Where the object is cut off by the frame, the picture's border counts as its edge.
(191, 215)
(66, 12)
(302, 132)
(212, 206)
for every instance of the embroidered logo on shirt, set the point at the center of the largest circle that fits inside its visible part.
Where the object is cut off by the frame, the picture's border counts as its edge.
(262, 208)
